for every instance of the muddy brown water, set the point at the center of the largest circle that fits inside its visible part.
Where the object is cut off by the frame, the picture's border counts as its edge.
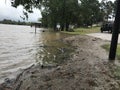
(20, 47)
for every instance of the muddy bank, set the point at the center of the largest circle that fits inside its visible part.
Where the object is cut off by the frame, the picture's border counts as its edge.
(86, 69)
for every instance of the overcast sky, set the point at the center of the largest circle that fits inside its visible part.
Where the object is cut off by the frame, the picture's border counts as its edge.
(108, 0)
(8, 12)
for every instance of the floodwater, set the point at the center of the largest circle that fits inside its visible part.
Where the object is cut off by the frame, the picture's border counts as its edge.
(20, 47)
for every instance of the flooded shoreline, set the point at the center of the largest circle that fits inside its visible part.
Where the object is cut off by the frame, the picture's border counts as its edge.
(20, 47)
(83, 70)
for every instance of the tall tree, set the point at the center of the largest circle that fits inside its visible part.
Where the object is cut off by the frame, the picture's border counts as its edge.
(53, 11)
(90, 11)
(107, 8)
(64, 12)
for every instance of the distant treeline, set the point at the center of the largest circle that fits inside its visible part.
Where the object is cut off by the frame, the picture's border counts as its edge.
(6, 21)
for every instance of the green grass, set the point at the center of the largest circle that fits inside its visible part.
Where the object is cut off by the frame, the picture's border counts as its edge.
(107, 47)
(84, 31)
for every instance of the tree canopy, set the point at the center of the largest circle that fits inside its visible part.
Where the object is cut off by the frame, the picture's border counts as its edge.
(67, 12)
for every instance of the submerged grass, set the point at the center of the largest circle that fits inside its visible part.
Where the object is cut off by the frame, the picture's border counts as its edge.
(84, 31)
(55, 52)
(107, 47)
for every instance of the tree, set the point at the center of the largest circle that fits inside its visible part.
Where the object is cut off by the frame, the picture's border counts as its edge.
(64, 12)
(107, 7)
(71, 11)
(53, 11)
(90, 11)
(61, 12)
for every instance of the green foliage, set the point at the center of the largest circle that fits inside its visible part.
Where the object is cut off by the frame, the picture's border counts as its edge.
(107, 8)
(68, 12)
(59, 12)
(90, 11)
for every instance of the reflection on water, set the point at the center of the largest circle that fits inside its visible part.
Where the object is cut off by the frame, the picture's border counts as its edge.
(52, 50)
(20, 47)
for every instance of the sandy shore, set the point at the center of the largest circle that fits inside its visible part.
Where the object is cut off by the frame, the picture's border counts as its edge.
(86, 69)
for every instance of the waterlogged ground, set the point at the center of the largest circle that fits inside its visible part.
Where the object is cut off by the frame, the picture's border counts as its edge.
(88, 68)
(20, 47)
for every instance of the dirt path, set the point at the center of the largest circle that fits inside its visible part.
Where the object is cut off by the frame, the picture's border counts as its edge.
(103, 36)
(87, 69)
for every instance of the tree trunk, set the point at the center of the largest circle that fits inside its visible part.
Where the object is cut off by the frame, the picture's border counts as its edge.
(67, 26)
(62, 27)
(55, 27)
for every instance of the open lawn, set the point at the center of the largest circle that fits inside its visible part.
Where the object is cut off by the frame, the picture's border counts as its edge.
(84, 30)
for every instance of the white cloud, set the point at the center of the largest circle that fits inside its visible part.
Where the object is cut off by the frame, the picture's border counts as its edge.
(34, 16)
(9, 12)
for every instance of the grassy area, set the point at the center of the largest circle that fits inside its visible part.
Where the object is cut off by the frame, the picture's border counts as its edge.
(84, 30)
(107, 47)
